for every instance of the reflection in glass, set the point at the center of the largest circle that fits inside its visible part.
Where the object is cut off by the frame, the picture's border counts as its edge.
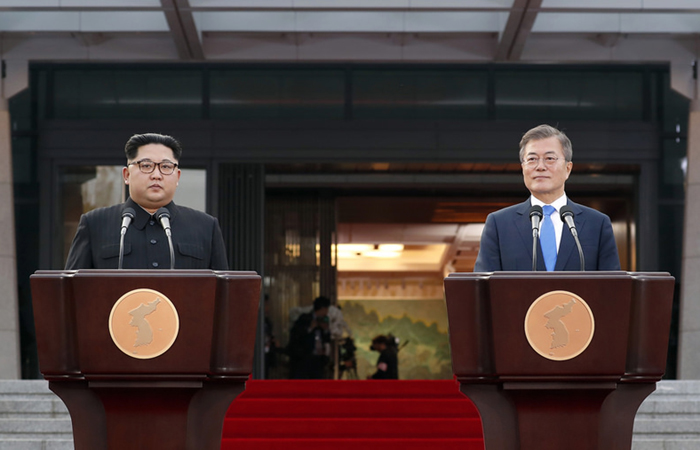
(277, 94)
(420, 94)
(580, 95)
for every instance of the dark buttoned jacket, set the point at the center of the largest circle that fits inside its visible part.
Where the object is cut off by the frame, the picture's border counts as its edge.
(506, 242)
(196, 236)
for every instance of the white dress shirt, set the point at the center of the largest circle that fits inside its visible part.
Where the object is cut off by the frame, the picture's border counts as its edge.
(556, 218)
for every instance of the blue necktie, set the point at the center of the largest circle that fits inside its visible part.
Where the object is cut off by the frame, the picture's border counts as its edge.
(548, 240)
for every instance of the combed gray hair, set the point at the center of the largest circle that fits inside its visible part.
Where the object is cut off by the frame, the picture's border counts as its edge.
(544, 132)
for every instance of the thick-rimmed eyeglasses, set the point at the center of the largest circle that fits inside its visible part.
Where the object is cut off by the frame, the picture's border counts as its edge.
(148, 166)
(533, 161)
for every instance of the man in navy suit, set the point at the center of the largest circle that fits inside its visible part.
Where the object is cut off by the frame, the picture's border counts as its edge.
(506, 242)
(152, 175)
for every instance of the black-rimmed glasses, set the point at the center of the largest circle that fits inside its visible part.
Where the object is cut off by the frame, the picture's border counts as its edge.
(148, 166)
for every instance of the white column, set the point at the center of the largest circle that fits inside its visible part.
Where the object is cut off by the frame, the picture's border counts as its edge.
(689, 329)
(9, 322)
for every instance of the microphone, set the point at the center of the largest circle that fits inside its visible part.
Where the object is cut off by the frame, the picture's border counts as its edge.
(535, 218)
(567, 216)
(163, 216)
(127, 216)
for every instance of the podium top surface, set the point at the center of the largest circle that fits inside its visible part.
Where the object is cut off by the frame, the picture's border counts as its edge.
(557, 274)
(151, 273)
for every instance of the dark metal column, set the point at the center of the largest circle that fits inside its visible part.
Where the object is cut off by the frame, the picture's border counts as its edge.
(241, 206)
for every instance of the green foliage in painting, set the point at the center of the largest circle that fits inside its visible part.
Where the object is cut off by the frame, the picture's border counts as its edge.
(426, 354)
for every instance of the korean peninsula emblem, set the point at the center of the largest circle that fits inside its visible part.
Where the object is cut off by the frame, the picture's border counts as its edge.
(144, 323)
(559, 325)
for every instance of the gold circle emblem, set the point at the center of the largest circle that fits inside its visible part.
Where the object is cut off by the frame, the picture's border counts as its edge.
(144, 323)
(559, 325)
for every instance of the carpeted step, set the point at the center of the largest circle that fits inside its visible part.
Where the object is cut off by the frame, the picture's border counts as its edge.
(347, 428)
(351, 407)
(433, 389)
(344, 415)
(352, 444)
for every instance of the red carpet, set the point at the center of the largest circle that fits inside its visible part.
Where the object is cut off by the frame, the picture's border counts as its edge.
(343, 415)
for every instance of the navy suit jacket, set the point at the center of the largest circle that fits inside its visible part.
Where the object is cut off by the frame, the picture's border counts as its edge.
(506, 242)
(196, 236)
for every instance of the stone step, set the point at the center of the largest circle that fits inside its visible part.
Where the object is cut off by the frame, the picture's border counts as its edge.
(33, 409)
(36, 429)
(663, 444)
(676, 427)
(34, 418)
(27, 387)
(36, 444)
(662, 408)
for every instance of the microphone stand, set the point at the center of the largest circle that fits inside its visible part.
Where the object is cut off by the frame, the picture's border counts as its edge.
(582, 262)
(127, 217)
(535, 220)
(163, 216)
(567, 216)
(172, 251)
(535, 240)
(121, 248)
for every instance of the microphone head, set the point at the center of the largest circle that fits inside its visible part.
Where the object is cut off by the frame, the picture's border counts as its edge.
(128, 212)
(566, 211)
(536, 210)
(162, 213)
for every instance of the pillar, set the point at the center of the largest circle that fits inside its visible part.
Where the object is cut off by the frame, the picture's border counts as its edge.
(9, 322)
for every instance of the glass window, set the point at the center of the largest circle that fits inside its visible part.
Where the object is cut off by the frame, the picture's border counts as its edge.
(121, 94)
(192, 189)
(277, 94)
(425, 94)
(23, 161)
(676, 110)
(674, 165)
(569, 95)
(84, 188)
(20, 111)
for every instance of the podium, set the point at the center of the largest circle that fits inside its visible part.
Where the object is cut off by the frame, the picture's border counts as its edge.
(146, 359)
(558, 359)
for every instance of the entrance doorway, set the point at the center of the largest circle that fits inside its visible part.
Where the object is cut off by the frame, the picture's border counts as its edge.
(392, 244)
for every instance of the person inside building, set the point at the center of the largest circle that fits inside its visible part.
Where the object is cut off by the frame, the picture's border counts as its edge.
(506, 242)
(309, 342)
(388, 361)
(152, 173)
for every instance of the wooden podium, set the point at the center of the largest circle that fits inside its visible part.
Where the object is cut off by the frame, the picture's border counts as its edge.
(146, 359)
(513, 335)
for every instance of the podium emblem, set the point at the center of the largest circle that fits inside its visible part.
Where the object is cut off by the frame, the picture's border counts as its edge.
(144, 323)
(559, 325)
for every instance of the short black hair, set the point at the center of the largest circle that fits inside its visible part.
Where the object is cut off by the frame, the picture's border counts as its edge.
(381, 339)
(139, 140)
(321, 302)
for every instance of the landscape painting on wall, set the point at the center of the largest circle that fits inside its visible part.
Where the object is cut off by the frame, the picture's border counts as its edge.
(420, 326)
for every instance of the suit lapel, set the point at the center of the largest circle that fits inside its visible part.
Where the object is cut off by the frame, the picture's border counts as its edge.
(567, 257)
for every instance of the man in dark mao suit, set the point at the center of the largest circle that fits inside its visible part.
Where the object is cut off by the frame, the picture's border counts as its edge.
(506, 241)
(152, 175)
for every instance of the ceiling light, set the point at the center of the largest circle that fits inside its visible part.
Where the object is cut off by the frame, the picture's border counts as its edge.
(391, 247)
(381, 254)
